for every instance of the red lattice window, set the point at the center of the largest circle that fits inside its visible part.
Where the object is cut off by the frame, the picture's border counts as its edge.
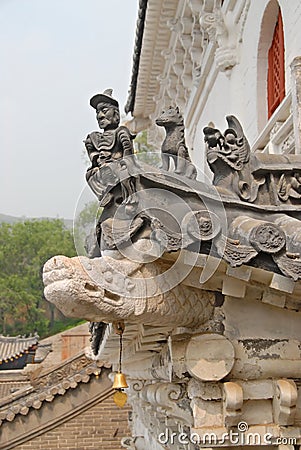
(276, 82)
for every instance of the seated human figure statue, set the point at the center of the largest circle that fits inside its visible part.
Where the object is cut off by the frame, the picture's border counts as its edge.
(107, 149)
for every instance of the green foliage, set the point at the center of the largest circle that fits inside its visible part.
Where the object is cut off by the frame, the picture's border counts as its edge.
(144, 151)
(24, 249)
(85, 225)
(63, 325)
(141, 144)
(89, 215)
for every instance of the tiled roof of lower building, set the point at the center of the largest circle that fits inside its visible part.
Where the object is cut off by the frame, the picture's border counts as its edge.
(10, 347)
(46, 386)
(16, 352)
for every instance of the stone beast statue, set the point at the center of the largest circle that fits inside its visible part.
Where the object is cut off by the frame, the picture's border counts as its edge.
(228, 155)
(174, 146)
(108, 290)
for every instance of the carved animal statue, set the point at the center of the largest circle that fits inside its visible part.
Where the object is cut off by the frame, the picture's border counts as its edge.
(174, 146)
(228, 155)
(231, 147)
(107, 290)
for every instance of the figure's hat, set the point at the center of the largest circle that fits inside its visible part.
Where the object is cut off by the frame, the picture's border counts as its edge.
(105, 97)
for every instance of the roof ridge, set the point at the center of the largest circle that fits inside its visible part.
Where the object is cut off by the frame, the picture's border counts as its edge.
(19, 338)
(65, 362)
(46, 387)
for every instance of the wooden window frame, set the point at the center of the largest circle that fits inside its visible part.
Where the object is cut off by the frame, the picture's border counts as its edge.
(276, 69)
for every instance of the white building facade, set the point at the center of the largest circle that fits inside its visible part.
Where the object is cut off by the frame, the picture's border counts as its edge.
(211, 58)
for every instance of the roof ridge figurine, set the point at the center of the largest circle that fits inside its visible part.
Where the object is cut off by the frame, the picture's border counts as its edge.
(250, 210)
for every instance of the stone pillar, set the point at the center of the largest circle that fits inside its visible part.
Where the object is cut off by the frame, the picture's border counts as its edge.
(296, 100)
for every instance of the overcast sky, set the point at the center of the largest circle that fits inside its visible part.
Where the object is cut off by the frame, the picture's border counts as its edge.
(55, 54)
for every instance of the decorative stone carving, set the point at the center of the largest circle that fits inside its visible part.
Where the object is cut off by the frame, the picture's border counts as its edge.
(209, 357)
(178, 65)
(136, 195)
(174, 24)
(226, 57)
(232, 404)
(169, 398)
(264, 236)
(189, 335)
(149, 212)
(288, 144)
(251, 177)
(196, 49)
(202, 225)
(268, 238)
(196, 6)
(285, 402)
(133, 443)
(233, 252)
(186, 41)
(108, 290)
(251, 214)
(289, 264)
(227, 154)
(289, 186)
(172, 85)
(106, 151)
(129, 443)
(67, 370)
(187, 25)
(208, 26)
(215, 31)
(174, 146)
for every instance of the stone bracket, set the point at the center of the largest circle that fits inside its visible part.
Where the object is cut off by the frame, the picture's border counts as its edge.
(232, 403)
(284, 402)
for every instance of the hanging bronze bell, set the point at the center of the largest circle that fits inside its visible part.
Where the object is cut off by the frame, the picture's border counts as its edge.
(119, 381)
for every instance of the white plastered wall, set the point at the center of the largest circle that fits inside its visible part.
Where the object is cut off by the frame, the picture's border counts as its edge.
(242, 91)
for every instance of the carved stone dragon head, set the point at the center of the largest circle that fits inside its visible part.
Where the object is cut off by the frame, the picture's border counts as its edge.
(108, 290)
(230, 148)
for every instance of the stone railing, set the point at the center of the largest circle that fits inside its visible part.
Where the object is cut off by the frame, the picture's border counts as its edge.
(278, 137)
(282, 133)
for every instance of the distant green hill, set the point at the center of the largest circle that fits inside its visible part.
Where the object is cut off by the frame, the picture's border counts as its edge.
(12, 219)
